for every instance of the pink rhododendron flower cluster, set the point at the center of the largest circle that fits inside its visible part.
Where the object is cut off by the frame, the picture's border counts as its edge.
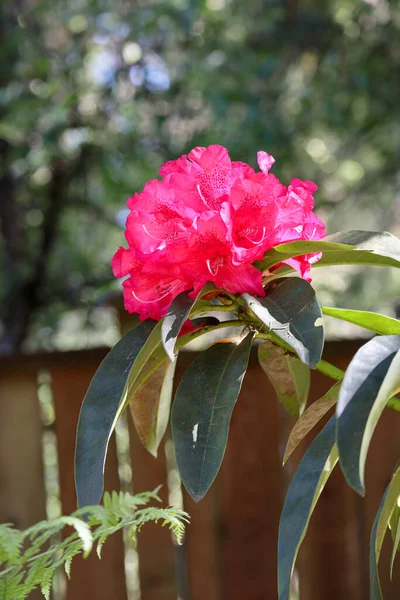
(209, 219)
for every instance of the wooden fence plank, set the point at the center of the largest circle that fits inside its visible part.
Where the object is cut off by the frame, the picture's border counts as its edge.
(156, 552)
(22, 495)
(202, 547)
(383, 455)
(233, 531)
(330, 563)
(155, 547)
(202, 534)
(91, 579)
(251, 496)
(382, 458)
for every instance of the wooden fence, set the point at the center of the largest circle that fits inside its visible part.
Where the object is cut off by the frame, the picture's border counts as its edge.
(230, 548)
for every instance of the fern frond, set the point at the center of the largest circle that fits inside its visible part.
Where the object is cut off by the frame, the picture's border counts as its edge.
(10, 544)
(22, 571)
(46, 581)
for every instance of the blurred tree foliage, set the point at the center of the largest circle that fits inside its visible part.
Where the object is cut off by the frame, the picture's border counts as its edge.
(95, 95)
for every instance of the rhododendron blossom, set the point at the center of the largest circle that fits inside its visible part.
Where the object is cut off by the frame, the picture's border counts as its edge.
(209, 219)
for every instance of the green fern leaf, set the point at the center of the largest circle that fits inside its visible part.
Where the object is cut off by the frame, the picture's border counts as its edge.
(21, 572)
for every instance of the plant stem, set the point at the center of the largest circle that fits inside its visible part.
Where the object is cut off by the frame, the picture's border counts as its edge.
(206, 308)
(227, 296)
(330, 370)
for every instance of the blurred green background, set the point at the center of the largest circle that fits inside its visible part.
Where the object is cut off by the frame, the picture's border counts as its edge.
(96, 95)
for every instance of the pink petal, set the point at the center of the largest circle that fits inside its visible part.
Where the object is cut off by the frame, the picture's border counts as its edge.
(209, 158)
(124, 261)
(265, 161)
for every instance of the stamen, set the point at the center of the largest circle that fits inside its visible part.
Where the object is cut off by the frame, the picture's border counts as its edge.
(263, 236)
(169, 291)
(210, 268)
(201, 195)
(152, 236)
(218, 262)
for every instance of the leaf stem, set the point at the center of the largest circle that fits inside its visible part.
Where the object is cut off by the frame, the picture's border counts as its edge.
(232, 299)
(201, 308)
(330, 370)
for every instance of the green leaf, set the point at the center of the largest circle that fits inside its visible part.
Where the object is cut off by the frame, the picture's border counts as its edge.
(372, 377)
(288, 375)
(369, 320)
(395, 534)
(83, 530)
(381, 242)
(172, 323)
(342, 248)
(99, 411)
(202, 411)
(370, 248)
(310, 418)
(176, 316)
(291, 310)
(44, 551)
(356, 257)
(305, 488)
(283, 252)
(388, 504)
(150, 406)
(151, 345)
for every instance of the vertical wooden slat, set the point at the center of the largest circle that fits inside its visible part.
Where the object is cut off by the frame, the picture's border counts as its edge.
(250, 493)
(330, 563)
(202, 533)
(91, 578)
(202, 547)
(155, 547)
(382, 458)
(383, 455)
(22, 493)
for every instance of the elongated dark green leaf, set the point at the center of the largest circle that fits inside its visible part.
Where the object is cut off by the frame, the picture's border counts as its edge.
(176, 316)
(99, 411)
(395, 529)
(388, 504)
(153, 355)
(202, 411)
(310, 418)
(151, 360)
(372, 377)
(291, 310)
(305, 488)
(356, 257)
(152, 344)
(380, 242)
(342, 248)
(150, 406)
(292, 249)
(288, 375)
(369, 320)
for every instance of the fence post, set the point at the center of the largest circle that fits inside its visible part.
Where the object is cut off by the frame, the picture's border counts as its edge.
(22, 495)
(90, 578)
